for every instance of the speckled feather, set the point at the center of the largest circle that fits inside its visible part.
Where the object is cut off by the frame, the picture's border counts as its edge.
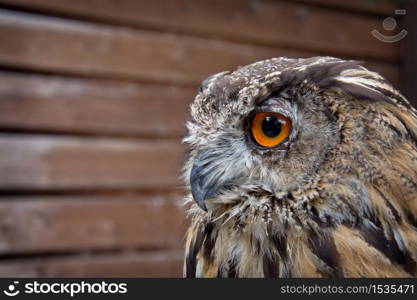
(337, 199)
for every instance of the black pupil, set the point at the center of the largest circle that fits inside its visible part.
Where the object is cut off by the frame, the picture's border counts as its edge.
(271, 126)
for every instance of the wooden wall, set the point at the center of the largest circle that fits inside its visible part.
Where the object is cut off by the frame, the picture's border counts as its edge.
(93, 98)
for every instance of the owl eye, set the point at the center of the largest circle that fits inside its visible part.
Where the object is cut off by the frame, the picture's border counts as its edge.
(270, 129)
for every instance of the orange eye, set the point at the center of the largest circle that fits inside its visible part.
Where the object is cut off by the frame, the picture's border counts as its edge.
(269, 129)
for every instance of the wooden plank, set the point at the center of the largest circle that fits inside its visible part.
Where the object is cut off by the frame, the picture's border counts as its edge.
(78, 223)
(380, 7)
(32, 162)
(153, 264)
(73, 47)
(69, 105)
(269, 22)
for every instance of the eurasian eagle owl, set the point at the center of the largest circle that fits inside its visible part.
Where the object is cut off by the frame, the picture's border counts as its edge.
(301, 168)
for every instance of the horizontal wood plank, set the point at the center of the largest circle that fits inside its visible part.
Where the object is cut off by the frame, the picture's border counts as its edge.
(81, 48)
(380, 7)
(68, 105)
(155, 264)
(276, 23)
(35, 162)
(67, 223)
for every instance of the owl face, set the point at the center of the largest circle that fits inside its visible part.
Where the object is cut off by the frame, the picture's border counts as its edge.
(249, 132)
(269, 127)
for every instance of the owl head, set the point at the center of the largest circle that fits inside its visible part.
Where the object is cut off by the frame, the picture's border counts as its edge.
(283, 127)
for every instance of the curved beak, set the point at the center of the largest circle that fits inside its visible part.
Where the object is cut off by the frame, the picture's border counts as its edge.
(204, 178)
(198, 188)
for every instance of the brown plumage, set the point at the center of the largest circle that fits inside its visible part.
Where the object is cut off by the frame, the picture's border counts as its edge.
(336, 198)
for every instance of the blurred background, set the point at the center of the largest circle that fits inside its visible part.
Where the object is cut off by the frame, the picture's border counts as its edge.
(93, 99)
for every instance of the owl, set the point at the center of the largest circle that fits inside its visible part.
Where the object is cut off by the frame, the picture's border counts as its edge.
(301, 168)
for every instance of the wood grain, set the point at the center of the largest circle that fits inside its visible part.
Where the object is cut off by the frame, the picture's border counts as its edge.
(35, 162)
(72, 47)
(382, 7)
(276, 23)
(56, 224)
(81, 106)
(147, 264)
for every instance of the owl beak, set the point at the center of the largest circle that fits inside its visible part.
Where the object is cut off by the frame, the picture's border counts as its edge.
(198, 188)
(204, 183)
